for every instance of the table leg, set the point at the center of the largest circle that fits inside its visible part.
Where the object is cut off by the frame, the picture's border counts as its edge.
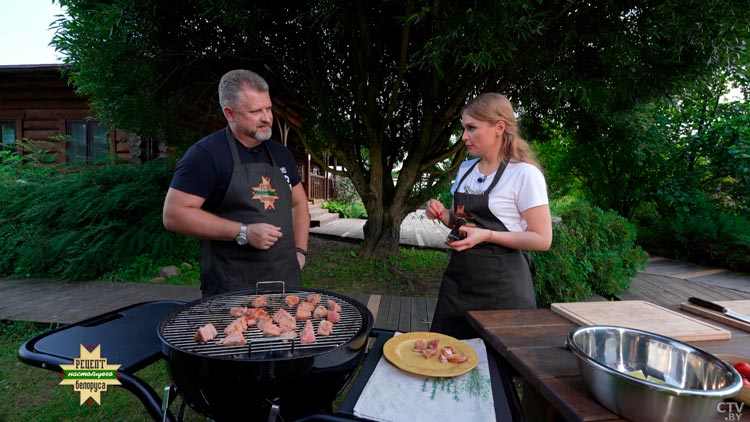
(535, 406)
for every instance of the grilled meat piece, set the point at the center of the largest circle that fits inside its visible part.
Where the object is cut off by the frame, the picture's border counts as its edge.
(334, 316)
(308, 333)
(314, 298)
(271, 330)
(262, 321)
(206, 333)
(320, 312)
(291, 301)
(325, 328)
(419, 346)
(333, 306)
(235, 338)
(280, 314)
(238, 311)
(239, 324)
(449, 354)
(287, 323)
(259, 302)
(306, 306)
(303, 313)
(257, 312)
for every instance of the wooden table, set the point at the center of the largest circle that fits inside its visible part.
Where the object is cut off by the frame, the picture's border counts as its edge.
(533, 343)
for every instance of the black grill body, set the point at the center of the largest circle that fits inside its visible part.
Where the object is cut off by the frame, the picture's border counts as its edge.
(232, 383)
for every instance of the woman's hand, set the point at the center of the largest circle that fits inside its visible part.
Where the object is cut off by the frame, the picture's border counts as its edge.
(435, 210)
(471, 237)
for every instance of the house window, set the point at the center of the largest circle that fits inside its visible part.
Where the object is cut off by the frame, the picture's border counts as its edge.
(8, 134)
(88, 141)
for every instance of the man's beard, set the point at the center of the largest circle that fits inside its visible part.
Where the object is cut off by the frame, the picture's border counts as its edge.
(260, 135)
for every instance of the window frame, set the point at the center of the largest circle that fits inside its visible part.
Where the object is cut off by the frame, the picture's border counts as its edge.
(3, 144)
(89, 157)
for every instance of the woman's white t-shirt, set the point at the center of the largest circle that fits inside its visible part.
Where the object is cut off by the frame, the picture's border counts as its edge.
(522, 186)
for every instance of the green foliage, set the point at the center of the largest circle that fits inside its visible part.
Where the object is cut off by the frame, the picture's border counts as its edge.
(702, 232)
(346, 192)
(593, 251)
(83, 224)
(33, 163)
(379, 84)
(679, 167)
(346, 209)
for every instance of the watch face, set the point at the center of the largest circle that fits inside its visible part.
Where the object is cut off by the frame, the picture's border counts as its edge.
(241, 240)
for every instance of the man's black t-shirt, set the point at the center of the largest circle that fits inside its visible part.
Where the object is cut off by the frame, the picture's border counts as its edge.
(206, 168)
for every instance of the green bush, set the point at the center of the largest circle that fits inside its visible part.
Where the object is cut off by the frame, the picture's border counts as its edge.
(346, 192)
(83, 224)
(346, 209)
(701, 231)
(593, 251)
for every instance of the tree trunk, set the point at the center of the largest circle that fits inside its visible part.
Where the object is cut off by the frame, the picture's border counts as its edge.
(382, 233)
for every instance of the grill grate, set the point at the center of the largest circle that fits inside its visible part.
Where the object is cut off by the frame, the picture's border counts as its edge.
(179, 330)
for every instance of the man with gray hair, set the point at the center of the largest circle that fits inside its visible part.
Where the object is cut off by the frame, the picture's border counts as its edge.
(239, 192)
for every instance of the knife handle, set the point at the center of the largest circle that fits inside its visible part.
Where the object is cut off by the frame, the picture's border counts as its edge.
(706, 304)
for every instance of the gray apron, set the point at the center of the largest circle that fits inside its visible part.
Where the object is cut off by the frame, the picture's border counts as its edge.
(257, 193)
(485, 277)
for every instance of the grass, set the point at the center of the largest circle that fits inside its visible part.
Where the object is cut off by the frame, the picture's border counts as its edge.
(33, 394)
(334, 265)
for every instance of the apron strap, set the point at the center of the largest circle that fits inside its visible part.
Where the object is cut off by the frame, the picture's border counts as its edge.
(498, 174)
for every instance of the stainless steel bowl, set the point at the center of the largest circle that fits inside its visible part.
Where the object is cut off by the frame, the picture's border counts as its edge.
(696, 381)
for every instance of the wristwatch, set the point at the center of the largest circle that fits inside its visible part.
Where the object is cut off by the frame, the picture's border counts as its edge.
(241, 238)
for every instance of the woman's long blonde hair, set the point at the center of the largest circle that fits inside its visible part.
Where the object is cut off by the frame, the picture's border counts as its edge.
(492, 107)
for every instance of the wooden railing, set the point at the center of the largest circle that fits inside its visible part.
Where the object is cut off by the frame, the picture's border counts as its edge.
(321, 187)
(317, 187)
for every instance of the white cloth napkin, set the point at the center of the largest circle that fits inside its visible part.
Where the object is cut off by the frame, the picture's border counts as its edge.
(392, 395)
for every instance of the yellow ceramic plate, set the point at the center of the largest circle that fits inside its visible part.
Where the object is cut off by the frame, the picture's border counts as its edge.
(398, 351)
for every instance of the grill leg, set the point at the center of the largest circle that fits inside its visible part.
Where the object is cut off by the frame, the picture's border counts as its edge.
(273, 413)
(146, 395)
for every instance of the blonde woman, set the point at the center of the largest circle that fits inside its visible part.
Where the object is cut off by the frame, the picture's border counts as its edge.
(501, 196)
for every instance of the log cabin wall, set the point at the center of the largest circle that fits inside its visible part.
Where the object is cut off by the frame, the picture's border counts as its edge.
(39, 103)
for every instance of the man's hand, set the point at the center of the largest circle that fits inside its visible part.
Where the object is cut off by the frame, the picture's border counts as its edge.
(263, 235)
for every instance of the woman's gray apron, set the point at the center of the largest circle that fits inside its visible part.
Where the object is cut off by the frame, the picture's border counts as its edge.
(485, 277)
(257, 193)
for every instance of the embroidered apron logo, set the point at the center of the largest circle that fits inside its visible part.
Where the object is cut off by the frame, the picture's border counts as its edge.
(265, 193)
(461, 213)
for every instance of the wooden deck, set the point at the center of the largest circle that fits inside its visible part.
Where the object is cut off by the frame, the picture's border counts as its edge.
(67, 302)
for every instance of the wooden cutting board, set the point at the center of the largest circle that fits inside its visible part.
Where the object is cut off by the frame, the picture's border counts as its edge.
(641, 315)
(741, 306)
